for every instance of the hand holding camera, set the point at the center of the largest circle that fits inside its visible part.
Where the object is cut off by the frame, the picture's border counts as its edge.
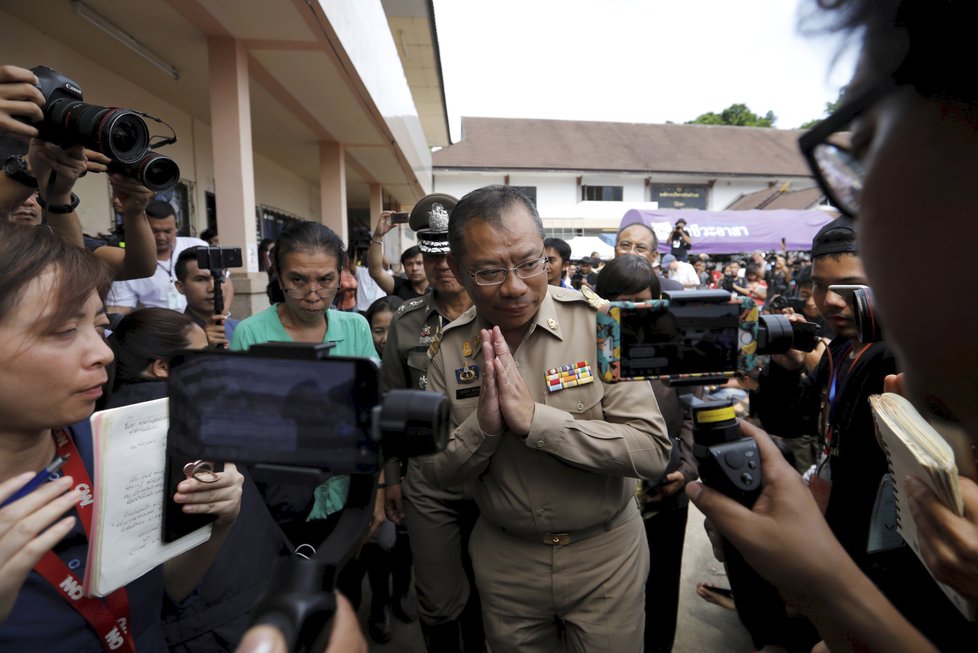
(384, 225)
(20, 101)
(56, 169)
(119, 134)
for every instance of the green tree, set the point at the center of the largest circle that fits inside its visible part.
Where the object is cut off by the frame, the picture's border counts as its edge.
(736, 114)
(830, 108)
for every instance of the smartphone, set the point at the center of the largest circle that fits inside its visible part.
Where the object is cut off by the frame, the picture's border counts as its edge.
(218, 258)
(691, 334)
(400, 218)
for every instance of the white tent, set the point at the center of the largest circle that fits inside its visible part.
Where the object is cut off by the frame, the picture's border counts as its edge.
(582, 246)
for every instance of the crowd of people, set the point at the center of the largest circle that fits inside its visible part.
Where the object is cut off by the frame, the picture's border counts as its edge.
(555, 517)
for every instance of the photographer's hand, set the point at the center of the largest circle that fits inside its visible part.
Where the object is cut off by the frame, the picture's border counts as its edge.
(19, 98)
(67, 164)
(221, 498)
(217, 337)
(383, 225)
(793, 359)
(786, 539)
(132, 195)
(948, 543)
(97, 162)
(344, 638)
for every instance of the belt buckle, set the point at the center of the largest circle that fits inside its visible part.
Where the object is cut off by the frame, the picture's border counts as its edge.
(557, 539)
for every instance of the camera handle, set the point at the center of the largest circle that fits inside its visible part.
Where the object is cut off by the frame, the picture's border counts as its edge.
(302, 599)
(217, 274)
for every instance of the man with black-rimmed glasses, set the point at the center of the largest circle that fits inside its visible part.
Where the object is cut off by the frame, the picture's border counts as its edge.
(559, 551)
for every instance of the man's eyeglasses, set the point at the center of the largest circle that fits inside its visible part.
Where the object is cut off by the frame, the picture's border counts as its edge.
(496, 276)
(829, 153)
(629, 246)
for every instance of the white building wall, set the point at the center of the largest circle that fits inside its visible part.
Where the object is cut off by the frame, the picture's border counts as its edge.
(559, 196)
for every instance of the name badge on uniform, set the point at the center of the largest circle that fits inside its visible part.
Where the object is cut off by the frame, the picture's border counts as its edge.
(467, 374)
(568, 376)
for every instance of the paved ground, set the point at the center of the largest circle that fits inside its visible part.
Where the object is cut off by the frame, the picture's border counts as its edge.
(702, 628)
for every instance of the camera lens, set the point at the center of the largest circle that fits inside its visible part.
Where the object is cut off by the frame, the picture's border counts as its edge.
(118, 133)
(122, 135)
(158, 172)
(776, 334)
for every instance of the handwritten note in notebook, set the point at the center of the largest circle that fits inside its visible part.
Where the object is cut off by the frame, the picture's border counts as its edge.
(130, 458)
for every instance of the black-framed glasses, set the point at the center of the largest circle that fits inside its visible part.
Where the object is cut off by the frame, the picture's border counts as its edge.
(496, 276)
(827, 149)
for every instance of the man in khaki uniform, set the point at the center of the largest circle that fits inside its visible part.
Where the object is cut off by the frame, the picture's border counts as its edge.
(559, 551)
(439, 521)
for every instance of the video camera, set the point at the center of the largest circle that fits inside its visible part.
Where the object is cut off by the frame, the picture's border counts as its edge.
(293, 414)
(693, 337)
(120, 134)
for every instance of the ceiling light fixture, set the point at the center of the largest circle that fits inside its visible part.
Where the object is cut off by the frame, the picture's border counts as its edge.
(123, 37)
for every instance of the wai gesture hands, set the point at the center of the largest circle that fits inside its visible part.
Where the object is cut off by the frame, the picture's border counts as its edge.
(504, 402)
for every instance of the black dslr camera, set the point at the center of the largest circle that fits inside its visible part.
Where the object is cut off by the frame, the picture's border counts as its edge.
(120, 134)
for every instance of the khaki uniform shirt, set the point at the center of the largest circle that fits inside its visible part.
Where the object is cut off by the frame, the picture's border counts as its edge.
(405, 367)
(413, 329)
(586, 444)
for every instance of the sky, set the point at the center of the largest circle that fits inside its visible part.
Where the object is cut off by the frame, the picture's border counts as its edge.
(646, 61)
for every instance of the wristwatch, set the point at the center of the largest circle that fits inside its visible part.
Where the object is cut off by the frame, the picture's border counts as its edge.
(59, 208)
(15, 167)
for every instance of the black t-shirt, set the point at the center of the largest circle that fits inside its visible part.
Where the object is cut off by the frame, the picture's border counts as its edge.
(404, 289)
(679, 246)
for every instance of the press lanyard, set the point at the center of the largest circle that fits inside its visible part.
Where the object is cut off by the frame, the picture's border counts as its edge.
(109, 617)
(835, 371)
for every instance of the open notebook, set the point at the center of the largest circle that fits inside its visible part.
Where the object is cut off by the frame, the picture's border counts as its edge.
(130, 457)
(914, 447)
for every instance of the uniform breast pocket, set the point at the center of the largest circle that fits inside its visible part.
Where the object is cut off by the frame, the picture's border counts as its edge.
(417, 362)
(582, 401)
(461, 409)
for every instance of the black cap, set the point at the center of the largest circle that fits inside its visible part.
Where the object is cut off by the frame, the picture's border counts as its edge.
(837, 237)
(429, 218)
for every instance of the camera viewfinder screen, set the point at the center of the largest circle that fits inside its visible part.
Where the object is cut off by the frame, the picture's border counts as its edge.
(313, 412)
(689, 338)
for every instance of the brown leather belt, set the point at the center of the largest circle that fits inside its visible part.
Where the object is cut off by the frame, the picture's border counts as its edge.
(563, 539)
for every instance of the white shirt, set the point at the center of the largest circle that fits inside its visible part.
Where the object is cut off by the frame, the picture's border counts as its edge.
(157, 290)
(686, 275)
(367, 289)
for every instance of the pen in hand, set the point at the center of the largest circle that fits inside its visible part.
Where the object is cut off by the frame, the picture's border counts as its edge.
(42, 477)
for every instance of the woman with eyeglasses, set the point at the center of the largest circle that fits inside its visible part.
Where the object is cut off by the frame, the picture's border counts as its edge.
(306, 262)
(899, 154)
(53, 362)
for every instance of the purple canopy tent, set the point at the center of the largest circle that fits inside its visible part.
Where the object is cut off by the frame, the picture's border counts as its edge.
(731, 232)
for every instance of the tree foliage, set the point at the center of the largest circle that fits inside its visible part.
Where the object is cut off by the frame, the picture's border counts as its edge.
(830, 108)
(736, 114)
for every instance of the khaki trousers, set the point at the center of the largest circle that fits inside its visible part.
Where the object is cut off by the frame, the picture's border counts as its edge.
(588, 595)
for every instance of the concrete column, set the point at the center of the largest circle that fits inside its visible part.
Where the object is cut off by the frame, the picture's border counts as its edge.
(332, 188)
(234, 173)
